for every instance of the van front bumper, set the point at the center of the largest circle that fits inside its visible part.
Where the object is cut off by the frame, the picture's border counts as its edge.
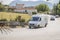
(33, 25)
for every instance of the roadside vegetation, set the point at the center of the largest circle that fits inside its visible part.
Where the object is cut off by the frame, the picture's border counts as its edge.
(9, 19)
(56, 9)
(42, 8)
(12, 16)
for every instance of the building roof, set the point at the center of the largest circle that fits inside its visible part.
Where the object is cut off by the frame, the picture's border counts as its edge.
(26, 9)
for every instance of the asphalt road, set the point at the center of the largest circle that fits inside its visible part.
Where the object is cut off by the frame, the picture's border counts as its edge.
(51, 32)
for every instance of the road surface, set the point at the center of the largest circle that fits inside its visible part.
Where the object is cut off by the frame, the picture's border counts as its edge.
(51, 32)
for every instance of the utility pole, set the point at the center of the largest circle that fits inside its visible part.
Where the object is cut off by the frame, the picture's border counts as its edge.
(56, 9)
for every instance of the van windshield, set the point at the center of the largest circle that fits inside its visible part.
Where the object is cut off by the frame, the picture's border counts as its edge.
(35, 18)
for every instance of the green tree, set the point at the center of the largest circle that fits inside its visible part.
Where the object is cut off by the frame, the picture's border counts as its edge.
(42, 8)
(56, 9)
(1, 7)
(34, 13)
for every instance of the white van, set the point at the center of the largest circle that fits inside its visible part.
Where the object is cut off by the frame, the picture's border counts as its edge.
(38, 20)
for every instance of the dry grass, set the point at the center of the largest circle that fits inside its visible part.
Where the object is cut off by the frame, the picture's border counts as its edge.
(12, 16)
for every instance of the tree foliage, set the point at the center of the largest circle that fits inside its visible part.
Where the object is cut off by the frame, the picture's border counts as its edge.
(1, 7)
(56, 9)
(42, 8)
(34, 13)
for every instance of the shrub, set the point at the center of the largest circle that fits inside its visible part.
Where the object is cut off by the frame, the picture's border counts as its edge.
(18, 18)
(22, 20)
(3, 19)
(34, 13)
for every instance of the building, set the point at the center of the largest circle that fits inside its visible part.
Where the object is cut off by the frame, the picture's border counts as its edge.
(21, 8)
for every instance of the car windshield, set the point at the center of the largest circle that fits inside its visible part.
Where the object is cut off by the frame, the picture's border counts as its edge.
(35, 18)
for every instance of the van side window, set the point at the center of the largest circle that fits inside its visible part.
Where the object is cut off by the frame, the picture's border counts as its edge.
(40, 19)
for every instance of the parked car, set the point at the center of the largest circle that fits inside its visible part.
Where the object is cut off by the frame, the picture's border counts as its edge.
(52, 18)
(57, 16)
(38, 20)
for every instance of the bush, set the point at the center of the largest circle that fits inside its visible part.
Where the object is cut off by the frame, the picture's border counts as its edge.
(3, 22)
(34, 13)
(3, 19)
(27, 22)
(22, 20)
(18, 18)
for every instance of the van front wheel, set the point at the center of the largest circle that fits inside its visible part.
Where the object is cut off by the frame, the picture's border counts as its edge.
(30, 27)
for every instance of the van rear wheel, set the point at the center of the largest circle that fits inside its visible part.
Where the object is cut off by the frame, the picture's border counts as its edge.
(45, 24)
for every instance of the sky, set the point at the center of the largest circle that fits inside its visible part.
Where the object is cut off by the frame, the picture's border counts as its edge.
(7, 2)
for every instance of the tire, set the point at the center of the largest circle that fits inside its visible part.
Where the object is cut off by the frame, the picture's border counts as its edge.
(30, 27)
(39, 26)
(45, 24)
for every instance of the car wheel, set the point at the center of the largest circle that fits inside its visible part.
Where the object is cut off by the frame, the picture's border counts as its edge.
(45, 24)
(38, 25)
(30, 27)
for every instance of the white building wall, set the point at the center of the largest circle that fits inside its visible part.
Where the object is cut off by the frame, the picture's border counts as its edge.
(30, 11)
(19, 10)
